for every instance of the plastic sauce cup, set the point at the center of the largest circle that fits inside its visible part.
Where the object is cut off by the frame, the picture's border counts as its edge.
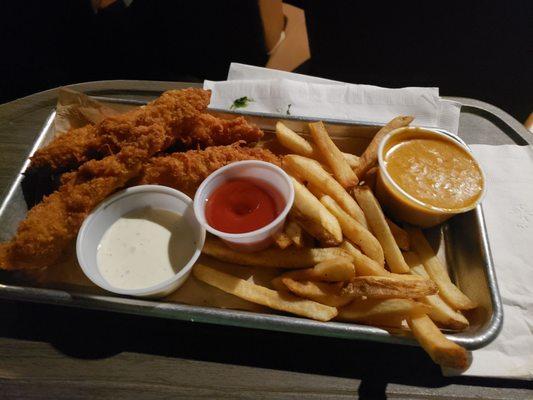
(273, 177)
(121, 203)
(400, 204)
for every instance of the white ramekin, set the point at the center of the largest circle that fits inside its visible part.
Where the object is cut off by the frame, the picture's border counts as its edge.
(258, 171)
(121, 203)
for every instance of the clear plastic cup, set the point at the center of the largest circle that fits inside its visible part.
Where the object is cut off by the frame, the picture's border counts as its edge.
(400, 204)
(266, 175)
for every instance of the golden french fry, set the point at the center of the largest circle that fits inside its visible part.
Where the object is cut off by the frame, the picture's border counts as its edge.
(387, 287)
(354, 231)
(438, 273)
(440, 311)
(364, 266)
(334, 270)
(380, 228)
(441, 350)
(321, 292)
(272, 257)
(311, 171)
(315, 190)
(282, 240)
(297, 144)
(261, 295)
(332, 155)
(400, 235)
(370, 155)
(294, 142)
(370, 309)
(278, 285)
(295, 232)
(351, 159)
(314, 217)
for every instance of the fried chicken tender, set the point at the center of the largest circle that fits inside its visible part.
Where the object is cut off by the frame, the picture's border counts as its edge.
(176, 116)
(53, 224)
(185, 171)
(166, 117)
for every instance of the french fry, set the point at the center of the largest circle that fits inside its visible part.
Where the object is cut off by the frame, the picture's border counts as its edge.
(440, 312)
(294, 142)
(354, 231)
(315, 190)
(311, 171)
(272, 257)
(261, 295)
(388, 287)
(351, 159)
(380, 228)
(364, 266)
(321, 292)
(400, 235)
(441, 350)
(332, 155)
(278, 285)
(365, 310)
(370, 155)
(297, 144)
(295, 232)
(282, 240)
(314, 217)
(334, 270)
(438, 273)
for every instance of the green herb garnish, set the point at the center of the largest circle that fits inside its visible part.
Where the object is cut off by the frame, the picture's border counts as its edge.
(241, 102)
(289, 109)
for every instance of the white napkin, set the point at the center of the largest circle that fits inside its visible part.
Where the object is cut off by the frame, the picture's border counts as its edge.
(279, 92)
(508, 209)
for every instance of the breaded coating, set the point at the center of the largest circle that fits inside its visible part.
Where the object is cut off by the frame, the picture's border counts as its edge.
(164, 118)
(176, 116)
(52, 225)
(185, 171)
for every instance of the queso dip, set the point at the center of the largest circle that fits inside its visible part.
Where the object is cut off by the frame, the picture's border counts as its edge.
(435, 172)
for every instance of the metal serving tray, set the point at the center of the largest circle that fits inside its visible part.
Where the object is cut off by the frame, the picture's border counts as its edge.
(462, 242)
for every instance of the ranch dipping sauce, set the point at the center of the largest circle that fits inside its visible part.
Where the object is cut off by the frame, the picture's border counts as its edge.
(145, 247)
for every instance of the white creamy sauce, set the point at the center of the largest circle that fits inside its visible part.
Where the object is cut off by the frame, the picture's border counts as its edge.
(145, 247)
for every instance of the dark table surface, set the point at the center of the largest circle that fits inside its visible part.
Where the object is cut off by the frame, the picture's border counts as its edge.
(49, 351)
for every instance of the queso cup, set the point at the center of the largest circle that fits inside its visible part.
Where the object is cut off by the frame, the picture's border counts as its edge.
(400, 204)
(269, 177)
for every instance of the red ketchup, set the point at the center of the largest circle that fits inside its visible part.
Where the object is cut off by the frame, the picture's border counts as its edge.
(240, 206)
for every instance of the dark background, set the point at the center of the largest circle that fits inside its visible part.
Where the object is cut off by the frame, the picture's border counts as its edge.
(473, 49)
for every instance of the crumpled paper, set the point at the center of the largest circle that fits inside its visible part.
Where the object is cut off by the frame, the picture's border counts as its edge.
(75, 110)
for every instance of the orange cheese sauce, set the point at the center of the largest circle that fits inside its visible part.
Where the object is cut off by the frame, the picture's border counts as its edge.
(435, 172)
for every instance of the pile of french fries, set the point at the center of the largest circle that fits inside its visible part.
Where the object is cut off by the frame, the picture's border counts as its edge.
(343, 258)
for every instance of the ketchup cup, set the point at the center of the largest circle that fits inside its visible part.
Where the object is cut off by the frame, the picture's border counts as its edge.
(271, 179)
